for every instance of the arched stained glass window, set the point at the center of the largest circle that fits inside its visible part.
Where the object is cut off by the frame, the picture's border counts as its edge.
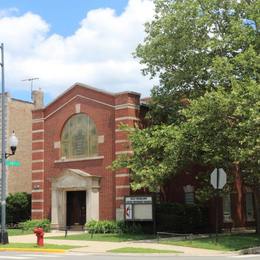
(79, 137)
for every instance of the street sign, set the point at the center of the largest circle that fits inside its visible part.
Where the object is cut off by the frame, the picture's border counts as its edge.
(218, 178)
(13, 163)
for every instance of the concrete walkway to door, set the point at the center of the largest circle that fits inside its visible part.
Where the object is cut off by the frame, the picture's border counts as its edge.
(102, 247)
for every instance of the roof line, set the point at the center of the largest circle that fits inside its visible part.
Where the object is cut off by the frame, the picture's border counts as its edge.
(92, 88)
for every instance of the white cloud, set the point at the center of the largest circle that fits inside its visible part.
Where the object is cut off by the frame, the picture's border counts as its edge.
(99, 53)
(8, 11)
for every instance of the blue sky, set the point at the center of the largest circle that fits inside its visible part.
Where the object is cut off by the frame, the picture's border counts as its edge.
(63, 42)
(63, 15)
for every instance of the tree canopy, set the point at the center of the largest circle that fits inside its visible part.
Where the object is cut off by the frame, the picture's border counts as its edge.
(206, 108)
(195, 46)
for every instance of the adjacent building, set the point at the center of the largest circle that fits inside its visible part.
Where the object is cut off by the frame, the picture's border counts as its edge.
(19, 119)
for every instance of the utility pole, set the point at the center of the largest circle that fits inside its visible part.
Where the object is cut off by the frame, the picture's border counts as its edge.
(4, 235)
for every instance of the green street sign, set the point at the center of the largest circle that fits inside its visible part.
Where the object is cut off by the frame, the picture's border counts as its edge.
(13, 163)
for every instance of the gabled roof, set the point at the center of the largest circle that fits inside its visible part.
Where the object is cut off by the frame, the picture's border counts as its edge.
(91, 88)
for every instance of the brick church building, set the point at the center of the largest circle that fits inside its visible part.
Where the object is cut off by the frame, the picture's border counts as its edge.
(74, 141)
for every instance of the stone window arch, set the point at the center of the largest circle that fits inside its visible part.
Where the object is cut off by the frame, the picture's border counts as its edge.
(79, 137)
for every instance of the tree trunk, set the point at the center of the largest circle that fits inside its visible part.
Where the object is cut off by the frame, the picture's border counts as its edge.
(257, 208)
(163, 193)
(239, 220)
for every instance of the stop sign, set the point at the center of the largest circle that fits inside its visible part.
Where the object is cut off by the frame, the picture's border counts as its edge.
(218, 178)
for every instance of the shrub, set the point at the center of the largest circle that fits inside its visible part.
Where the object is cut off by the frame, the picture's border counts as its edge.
(18, 207)
(107, 226)
(31, 224)
(181, 218)
(130, 227)
(102, 226)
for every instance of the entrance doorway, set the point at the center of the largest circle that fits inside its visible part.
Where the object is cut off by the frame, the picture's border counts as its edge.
(76, 208)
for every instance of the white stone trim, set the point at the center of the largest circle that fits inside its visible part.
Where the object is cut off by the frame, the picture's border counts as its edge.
(56, 145)
(123, 187)
(38, 120)
(124, 152)
(38, 131)
(117, 107)
(70, 100)
(122, 141)
(120, 130)
(80, 159)
(38, 141)
(37, 171)
(38, 151)
(36, 181)
(37, 191)
(37, 210)
(119, 198)
(37, 201)
(127, 118)
(77, 108)
(36, 161)
(101, 139)
(128, 105)
(118, 175)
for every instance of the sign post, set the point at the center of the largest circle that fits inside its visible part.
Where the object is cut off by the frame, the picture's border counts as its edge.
(218, 179)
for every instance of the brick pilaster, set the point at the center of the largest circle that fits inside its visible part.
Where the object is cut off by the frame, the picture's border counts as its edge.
(37, 164)
(126, 112)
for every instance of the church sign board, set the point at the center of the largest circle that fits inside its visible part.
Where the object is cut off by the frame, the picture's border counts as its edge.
(138, 208)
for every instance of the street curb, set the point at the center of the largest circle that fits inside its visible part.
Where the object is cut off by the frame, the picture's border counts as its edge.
(33, 250)
(248, 251)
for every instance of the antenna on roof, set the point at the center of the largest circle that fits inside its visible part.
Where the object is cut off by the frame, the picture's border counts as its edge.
(31, 80)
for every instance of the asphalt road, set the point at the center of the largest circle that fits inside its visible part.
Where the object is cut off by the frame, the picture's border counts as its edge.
(75, 256)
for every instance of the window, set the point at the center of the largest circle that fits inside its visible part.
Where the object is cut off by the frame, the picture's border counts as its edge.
(188, 194)
(227, 208)
(79, 137)
(249, 207)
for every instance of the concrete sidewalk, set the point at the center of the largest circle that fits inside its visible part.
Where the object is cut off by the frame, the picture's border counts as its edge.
(103, 247)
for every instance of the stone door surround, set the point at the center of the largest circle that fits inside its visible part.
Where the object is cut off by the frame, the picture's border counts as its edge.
(73, 180)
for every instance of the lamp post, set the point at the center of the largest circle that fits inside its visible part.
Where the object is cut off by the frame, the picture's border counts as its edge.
(13, 143)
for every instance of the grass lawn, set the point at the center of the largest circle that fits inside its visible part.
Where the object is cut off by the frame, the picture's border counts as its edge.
(141, 250)
(17, 232)
(225, 242)
(106, 237)
(34, 246)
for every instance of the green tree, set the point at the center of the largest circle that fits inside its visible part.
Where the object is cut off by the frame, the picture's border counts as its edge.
(206, 107)
(195, 46)
(151, 162)
(221, 129)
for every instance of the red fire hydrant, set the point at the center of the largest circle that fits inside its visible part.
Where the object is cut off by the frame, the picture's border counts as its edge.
(38, 231)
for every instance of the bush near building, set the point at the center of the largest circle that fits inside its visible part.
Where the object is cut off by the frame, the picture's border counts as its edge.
(108, 226)
(181, 218)
(31, 224)
(18, 207)
(170, 217)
